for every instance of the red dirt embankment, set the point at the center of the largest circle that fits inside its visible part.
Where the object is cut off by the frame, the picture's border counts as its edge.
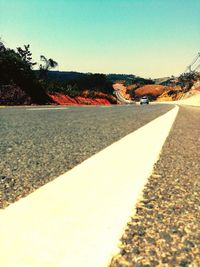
(151, 89)
(99, 99)
(14, 95)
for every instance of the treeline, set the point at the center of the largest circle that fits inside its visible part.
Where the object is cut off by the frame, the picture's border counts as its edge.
(129, 79)
(76, 86)
(16, 70)
(97, 82)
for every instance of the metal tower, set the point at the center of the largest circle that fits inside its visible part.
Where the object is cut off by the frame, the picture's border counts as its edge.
(195, 65)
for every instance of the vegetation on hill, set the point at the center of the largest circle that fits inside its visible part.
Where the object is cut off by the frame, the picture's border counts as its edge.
(129, 79)
(168, 89)
(76, 86)
(180, 87)
(17, 76)
(16, 70)
(187, 80)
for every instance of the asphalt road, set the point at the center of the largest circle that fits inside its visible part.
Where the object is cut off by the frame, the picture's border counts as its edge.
(37, 145)
(165, 231)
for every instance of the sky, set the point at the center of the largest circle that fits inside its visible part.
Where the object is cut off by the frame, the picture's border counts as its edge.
(147, 38)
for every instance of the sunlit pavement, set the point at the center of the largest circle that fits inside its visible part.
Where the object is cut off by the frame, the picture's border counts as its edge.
(77, 219)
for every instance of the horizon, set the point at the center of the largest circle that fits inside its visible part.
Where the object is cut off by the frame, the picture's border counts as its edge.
(109, 73)
(145, 38)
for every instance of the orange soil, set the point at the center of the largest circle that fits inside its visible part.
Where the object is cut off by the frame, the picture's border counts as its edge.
(151, 89)
(62, 99)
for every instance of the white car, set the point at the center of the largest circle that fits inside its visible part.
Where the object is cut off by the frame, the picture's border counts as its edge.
(144, 100)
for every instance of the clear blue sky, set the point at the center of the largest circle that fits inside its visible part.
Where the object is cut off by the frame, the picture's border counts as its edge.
(149, 38)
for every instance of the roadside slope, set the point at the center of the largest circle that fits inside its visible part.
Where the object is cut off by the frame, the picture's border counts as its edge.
(191, 101)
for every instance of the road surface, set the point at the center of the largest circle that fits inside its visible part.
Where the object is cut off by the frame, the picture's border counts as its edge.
(38, 144)
(165, 231)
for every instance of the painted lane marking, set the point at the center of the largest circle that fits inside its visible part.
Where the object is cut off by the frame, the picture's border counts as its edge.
(77, 219)
(36, 109)
(106, 106)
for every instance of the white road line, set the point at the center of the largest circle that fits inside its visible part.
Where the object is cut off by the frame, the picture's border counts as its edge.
(51, 108)
(111, 106)
(77, 219)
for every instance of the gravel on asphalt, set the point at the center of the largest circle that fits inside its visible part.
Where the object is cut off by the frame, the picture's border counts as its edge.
(165, 229)
(36, 146)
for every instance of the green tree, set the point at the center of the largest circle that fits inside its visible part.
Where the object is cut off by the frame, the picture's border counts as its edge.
(46, 66)
(2, 47)
(26, 55)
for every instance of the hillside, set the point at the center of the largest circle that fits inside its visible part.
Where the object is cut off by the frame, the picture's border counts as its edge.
(169, 89)
(21, 85)
(153, 91)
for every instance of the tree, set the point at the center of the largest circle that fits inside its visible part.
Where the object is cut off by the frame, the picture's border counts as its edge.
(26, 55)
(46, 66)
(2, 47)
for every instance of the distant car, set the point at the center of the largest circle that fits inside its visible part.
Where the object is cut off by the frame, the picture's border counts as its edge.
(144, 100)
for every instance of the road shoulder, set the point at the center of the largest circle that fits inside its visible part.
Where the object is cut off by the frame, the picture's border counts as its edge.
(165, 231)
